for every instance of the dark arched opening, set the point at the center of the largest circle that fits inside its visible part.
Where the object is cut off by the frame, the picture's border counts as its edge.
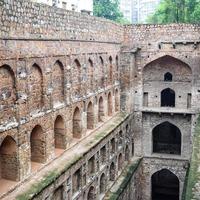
(166, 139)
(91, 194)
(9, 166)
(165, 185)
(102, 184)
(168, 98)
(168, 76)
(90, 116)
(77, 123)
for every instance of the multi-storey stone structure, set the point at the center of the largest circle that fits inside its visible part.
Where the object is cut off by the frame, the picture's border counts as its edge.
(87, 104)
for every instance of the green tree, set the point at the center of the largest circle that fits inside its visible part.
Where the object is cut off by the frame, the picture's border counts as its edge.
(109, 9)
(175, 11)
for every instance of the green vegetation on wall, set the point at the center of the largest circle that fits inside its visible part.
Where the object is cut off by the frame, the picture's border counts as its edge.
(192, 182)
(176, 11)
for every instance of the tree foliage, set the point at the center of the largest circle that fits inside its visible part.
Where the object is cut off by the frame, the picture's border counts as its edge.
(176, 11)
(109, 9)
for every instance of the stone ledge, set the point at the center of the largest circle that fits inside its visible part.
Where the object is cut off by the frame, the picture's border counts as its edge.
(35, 184)
(123, 180)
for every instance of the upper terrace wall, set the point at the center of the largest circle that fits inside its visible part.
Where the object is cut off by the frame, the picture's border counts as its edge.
(24, 19)
(144, 34)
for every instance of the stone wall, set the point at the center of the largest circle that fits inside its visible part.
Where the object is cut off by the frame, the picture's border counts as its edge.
(27, 20)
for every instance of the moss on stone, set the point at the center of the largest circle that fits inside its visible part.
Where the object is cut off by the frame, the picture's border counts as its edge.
(127, 174)
(36, 188)
(193, 176)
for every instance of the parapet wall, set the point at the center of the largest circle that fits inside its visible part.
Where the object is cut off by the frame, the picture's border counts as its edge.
(137, 34)
(27, 20)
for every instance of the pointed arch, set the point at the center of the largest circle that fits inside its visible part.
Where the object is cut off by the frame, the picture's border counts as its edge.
(168, 76)
(77, 129)
(120, 162)
(101, 72)
(101, 110)
(90, 116)
(110, 105)
(165, 185)
(102, 184)
(7, 93)
(59, 133)
(168, 97)
(58, 82)
(38, 145)
(166, 139)
(110, 70)
(112, 172)
(76, 79)
(91, 194)
(9, 164)
(36, 89)
(91, 73)
(117, 104)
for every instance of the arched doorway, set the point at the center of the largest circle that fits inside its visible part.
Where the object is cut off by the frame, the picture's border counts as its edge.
(120, 162)
(101, 110)
(109, 104)
(168, 98)
(90, 116)
(91, 194)
(102, 184)
(59, 133)
(8, 160)
(165, 185)
(112, 172)
(38, 145)
(166, 139)
(77, 123)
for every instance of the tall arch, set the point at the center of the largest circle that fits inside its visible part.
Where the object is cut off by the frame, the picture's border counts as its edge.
(101, 110)
(77, 129)
(112, 172)
(127, 153)
(36, 83)
(90, 116)
(117, 100)
(9, 164)
(58, 82)
(120, 162)
(165, 185)
(91, 194)
(167, 98)
(59, 133)
(38, 145)
(110, 105)
(110, 70)
(166, 139)
(101, 72)
(7, 92)
(102, 184)
(91, 73)
(76, 79)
